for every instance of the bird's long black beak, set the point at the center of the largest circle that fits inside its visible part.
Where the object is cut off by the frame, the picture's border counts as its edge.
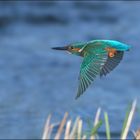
(61, 48)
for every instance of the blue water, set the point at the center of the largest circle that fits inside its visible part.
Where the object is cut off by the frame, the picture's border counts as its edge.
(36, 81)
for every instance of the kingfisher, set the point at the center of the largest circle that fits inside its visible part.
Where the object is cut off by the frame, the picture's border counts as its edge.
(100, 57)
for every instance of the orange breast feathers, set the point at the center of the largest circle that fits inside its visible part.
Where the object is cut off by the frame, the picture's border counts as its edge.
(111, 51)
(76, 49)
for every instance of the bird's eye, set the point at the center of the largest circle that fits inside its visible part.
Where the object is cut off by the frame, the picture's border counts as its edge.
(71, 47)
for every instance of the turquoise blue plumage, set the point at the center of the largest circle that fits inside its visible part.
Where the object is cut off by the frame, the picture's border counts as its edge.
(100, 58)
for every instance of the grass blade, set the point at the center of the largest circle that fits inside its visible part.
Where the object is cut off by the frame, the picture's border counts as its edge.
(107, 126)
(96, 127)
(128, 120)
(60, 129)
(46, 129)
(97, 124)
(50, 131)
(79, 131)
(67, 131)
(73, 131)
(97, 116)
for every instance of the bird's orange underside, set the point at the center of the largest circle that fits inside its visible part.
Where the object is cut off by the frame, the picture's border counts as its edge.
(76, 49)
(111, 51)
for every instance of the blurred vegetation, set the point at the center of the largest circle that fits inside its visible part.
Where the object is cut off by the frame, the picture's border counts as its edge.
(70, 130)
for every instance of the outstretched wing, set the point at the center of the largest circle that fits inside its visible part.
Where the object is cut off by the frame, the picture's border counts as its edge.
(111, 63)
(91, 67)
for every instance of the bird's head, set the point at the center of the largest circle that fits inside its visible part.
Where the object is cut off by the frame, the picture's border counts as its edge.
(73, 48)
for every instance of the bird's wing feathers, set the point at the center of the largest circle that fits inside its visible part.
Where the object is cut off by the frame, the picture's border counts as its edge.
(111, 63)
(91, 67)
(96, 62)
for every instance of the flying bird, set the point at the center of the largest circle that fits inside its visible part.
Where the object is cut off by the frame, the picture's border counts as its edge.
(100, 58)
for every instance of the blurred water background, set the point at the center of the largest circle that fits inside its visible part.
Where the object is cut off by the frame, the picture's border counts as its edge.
(36, 81)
